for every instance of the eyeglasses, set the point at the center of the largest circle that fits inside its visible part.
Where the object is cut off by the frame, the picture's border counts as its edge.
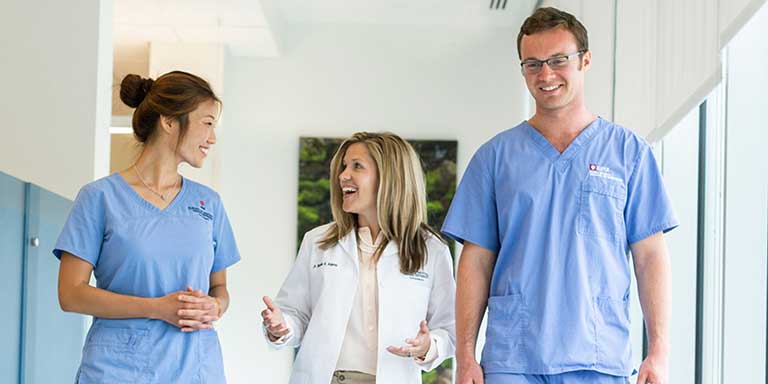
(533, 66)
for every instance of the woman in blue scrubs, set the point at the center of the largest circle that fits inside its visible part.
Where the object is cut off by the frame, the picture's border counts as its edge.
(157, 243)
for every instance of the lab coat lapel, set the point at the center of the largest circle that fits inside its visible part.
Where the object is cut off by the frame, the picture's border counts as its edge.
(348, 244)
(388, 263)
(390, 250)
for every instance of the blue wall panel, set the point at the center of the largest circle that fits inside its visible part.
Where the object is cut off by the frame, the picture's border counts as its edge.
(11, 257)
(53, 339)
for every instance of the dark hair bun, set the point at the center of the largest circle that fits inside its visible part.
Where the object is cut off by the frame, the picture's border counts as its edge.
(133, 89)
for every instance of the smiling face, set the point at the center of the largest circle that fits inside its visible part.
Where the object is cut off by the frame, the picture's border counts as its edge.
(560, 88)
(200, 134)
(359, 182)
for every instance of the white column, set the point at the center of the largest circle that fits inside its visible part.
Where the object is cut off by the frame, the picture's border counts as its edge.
(57, 65)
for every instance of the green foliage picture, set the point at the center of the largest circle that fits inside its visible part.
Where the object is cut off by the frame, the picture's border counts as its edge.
(438, 159)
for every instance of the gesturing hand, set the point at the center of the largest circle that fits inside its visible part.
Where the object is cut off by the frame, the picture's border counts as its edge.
(274, 321)
(417, 346)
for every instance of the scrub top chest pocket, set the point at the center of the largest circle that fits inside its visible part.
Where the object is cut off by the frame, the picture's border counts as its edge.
(601, 208)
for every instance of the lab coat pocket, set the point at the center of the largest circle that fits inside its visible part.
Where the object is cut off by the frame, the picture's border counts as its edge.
(612, 330)
(601, 209)
(115, 355)
(414, 291)
(506, 335)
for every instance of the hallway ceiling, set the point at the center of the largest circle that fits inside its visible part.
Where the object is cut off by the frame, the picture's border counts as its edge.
(253, 27)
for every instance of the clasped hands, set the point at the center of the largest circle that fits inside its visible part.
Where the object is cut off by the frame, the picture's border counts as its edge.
(190, 310)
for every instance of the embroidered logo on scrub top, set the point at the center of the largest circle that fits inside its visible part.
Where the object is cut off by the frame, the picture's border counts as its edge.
(600, 171)
(201, 211)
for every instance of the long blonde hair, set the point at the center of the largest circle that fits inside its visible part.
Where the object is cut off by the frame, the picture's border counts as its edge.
(400, 201)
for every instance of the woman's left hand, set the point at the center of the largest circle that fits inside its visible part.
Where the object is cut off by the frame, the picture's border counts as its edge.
(417, 347)
(198, 311)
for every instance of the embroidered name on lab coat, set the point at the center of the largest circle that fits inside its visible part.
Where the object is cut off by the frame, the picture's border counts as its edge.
(419, 276)
(324, 264)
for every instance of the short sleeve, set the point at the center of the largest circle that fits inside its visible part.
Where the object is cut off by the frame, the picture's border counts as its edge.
(648, 209)
(83, 232)
(225, 251)
(472, 216)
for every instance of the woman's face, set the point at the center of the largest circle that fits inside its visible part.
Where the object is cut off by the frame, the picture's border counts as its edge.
(200, 133)
(359, 182)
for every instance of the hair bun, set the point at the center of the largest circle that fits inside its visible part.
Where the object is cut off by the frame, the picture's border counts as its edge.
(133, 89)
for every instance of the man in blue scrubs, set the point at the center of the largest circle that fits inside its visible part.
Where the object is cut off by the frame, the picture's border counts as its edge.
(548, 212)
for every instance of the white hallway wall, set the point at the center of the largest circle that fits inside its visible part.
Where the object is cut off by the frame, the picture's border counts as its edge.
(426, 83)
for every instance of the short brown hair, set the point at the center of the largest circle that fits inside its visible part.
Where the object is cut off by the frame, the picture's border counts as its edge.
(544, 19)
(174, 94)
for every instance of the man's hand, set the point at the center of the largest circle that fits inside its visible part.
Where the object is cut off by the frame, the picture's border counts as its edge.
(469, 372)
(654, 370)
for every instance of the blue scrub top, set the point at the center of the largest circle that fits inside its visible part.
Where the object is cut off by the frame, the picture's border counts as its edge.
(561, 225)
(139, 250)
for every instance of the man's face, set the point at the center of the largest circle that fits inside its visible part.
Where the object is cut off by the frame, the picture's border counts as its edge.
(554, 89)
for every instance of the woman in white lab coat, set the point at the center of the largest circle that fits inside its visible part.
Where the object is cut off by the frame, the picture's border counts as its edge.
(371, 295)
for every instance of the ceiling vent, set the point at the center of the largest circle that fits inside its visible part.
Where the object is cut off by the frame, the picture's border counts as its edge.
(498, 4)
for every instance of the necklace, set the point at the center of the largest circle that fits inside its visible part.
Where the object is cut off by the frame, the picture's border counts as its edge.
(163, 196)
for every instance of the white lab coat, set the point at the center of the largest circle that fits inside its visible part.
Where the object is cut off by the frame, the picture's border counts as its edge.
(317, 297)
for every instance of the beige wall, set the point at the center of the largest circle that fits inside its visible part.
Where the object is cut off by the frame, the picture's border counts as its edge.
(124, 151)
(128, 59)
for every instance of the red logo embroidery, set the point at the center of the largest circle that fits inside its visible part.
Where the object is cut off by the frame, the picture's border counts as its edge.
(592, 167)
(202, 202)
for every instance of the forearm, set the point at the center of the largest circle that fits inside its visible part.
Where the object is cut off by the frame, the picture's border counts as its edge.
(86, 299)
(473, 284)
(653, 274)
(221, 294)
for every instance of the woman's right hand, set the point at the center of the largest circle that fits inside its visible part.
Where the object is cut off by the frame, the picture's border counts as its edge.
(273, 320)
(167, 308)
